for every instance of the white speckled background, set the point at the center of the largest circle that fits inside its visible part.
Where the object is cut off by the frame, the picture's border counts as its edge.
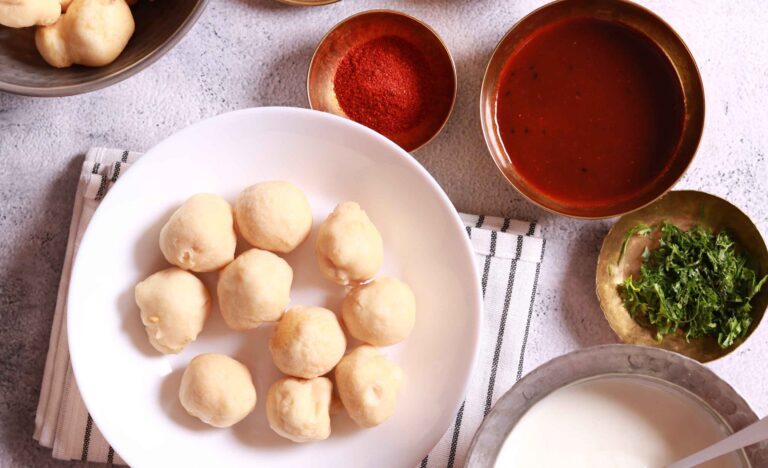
(246, 53)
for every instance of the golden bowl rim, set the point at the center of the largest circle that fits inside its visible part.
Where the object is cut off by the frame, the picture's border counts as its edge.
(307, 2)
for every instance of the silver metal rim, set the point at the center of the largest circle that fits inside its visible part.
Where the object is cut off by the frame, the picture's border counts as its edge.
(629, 360)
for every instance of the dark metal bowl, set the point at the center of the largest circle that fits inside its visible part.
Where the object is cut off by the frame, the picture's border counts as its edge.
(160, 25)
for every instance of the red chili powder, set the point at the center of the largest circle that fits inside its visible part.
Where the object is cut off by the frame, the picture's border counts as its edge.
(384, 85)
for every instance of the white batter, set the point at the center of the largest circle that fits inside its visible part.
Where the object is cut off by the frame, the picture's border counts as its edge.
(612, 422)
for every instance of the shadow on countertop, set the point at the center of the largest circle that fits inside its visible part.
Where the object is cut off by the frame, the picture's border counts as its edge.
(30, 266)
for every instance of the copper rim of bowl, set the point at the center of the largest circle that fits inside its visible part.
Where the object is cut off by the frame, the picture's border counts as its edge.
(439, 40)
(684, 208)
(307, 2)
(119, 75)
(685, 67)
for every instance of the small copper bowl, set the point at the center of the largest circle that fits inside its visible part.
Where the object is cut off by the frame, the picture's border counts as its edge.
(361, 28)
(637, 18)
(684, 209)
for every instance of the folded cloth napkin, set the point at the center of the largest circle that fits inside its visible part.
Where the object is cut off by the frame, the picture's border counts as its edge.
(508, 254)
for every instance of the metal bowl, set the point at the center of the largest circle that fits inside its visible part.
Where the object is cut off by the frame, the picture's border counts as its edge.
(159, 26)
(637, 18)
(683, 209)
(307, 2)
(674, 370)
(361, 28)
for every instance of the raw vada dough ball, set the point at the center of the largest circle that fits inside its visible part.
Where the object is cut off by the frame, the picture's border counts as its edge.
(299, 410)
(91, 33)
(368, 385)
(273, 216)
(217, 389)
(307, 342)
(349, 247)
(382, 312)
(253, 289)
(200, 235)
(174, 305)
(24, 13)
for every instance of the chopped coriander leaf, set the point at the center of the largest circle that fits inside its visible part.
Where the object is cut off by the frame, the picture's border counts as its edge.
(695, 283)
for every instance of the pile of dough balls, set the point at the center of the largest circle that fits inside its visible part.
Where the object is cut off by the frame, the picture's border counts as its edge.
(307, 343)
(84, 32)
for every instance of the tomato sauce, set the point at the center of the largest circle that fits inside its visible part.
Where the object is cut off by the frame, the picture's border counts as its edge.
(589, 111)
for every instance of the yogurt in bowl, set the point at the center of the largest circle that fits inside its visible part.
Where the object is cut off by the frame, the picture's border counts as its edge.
(617, 406)
(615, 421)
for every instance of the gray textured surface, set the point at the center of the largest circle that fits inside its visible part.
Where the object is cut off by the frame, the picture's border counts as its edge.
(248, 53)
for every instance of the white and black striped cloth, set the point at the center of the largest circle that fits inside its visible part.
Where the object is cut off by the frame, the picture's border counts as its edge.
(508, 253)
(62, 423)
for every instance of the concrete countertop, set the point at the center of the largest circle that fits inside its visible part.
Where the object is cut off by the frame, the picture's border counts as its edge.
(246, 53)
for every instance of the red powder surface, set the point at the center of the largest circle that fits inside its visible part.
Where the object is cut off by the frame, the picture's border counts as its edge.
(384, 85)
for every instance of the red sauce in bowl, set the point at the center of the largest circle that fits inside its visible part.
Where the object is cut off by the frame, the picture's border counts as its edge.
(589, 111)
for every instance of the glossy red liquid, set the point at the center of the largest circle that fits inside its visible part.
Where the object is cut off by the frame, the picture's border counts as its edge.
(589, 111)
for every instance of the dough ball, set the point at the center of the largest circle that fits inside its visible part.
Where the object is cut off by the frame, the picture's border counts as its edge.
(200, 235)
(307, 342)
(255, 288)
(217, 389)
(382, 312)
(299, 409)
(273, 216)
(368, 385)
(174, 305)
(349, 247)
(24, 13)
(91, 33)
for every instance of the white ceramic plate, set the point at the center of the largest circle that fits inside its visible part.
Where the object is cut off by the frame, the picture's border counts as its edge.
(131, 390)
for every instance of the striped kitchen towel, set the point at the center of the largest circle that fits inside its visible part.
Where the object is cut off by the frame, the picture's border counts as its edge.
(62, 422)
(508, 254)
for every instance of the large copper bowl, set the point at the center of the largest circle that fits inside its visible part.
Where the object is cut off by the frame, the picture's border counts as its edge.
(637, 18)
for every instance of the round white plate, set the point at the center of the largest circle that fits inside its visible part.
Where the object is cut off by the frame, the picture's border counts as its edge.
(131, 390)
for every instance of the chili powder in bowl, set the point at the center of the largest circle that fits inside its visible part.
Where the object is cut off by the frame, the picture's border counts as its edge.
(592, 108)
(388, 71)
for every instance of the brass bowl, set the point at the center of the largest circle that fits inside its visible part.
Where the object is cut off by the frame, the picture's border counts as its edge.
(684, 209)
(361, 28)
(159, 27)
(307, 2)
(637, 18)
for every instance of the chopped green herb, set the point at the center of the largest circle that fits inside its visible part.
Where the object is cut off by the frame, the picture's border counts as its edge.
(640, 230)
(695, 283)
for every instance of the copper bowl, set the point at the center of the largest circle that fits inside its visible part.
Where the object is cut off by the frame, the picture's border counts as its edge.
(684, 209)
(361, 28)
(159, 26)
(622, 12)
